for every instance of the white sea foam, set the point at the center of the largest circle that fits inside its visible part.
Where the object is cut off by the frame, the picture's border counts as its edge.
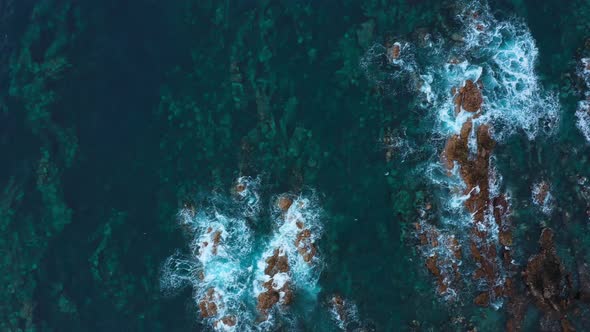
(500, 57)
(345, 314)
(502, 54)
(225, 269)
(583, 111)
(302, 277)
(542, 198)
(218, 268)
(247, 193)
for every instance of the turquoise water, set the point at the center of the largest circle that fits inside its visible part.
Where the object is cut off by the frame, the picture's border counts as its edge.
(294, 165)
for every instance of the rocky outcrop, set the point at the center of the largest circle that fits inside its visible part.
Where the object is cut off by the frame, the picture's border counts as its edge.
(468, 97)
(475, 171)
(278, 287)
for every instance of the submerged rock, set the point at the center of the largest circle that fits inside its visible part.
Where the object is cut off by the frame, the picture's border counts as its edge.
(541, 196)
(546, 278)
(549, 285)
(208, 304)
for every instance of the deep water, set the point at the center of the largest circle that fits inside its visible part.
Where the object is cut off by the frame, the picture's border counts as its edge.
(129, 127)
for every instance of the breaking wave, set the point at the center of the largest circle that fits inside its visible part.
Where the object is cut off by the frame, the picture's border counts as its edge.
(243, 281)
(502, 55)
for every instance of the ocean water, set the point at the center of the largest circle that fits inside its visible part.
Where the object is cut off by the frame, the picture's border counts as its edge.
(405, 165)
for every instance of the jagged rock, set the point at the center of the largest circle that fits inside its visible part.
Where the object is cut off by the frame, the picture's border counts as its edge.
(304, 245)
(469, 97)
(276, 263)
(207, 304)
(482, 300)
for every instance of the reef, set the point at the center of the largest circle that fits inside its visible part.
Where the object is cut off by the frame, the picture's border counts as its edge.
(288, 265)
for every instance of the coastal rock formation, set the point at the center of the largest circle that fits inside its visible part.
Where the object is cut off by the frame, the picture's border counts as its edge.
(278, 286)
(470, 151)
(345, 314)
(290, 256)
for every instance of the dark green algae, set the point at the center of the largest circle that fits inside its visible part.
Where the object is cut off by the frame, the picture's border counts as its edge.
(114, 113)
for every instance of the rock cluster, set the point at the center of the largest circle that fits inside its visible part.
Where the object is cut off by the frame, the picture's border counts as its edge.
(278, 287)
(476, 173)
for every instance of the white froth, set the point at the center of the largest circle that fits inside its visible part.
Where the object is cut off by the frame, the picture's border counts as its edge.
(583, 111)
(219, 269)
(345, 315)
(302, 214)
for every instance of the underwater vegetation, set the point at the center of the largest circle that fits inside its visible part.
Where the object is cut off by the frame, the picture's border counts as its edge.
(446, 141)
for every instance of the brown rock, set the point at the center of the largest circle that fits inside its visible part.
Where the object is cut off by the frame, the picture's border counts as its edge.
(482, 300)
(505, 237)
(284, 203)
(240, 187)
(227, 320)
(276, 264)
(541, 195)
(304, 245)
(216, 241)
(207, 305)
(338, 306)
(471, 98)
(394, 51)
(288, 294)
(455, 247)
(267, 300)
